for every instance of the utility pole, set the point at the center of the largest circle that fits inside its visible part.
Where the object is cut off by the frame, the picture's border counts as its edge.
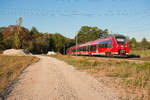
(111, 32)
(76, 43)
(64, 49)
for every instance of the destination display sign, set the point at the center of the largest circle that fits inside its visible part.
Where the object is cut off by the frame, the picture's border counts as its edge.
(120, 40)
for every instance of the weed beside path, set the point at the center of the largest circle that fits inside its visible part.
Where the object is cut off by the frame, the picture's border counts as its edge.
(11, 67)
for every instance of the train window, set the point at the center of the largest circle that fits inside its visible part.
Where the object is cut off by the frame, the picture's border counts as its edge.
(102, 45)
(105, 44)
(99, 46)
(121, 39)
(88, 48)
(93, 48)
(78, 49)
(84, 48)
(110, 43)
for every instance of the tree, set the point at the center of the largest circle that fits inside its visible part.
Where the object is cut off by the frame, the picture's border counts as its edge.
(41, 45)
(58, 42)
(9, 39)
(34, 32)
(105, 33)
(87, 33)
(133, 43)
(30, 46)
(144, 43)
(17, 39)
(38, 43)
(1, 36)
(1, 40)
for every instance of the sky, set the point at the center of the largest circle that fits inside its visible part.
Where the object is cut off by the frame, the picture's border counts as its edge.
(128, 17)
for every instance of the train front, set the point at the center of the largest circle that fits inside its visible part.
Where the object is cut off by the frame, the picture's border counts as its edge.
(122, 45)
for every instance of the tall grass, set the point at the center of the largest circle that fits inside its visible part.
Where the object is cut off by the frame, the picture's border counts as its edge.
(134, 74)
(11, 67)
(142, 53)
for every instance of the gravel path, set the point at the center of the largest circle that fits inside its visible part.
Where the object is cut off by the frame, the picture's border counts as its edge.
(51, 79)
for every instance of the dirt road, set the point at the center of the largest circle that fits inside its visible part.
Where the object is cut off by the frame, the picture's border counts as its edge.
(51, 79)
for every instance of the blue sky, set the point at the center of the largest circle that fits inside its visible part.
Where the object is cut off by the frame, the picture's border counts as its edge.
(128, 17)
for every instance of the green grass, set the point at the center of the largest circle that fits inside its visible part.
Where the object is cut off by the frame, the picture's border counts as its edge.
(142, 53)
(11, 67)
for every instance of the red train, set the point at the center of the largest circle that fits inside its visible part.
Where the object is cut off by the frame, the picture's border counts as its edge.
(112, 45)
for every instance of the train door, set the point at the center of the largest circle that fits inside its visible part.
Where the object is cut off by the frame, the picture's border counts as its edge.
(97, 45)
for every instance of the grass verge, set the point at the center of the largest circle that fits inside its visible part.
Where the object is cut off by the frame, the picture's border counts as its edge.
(142, 53)
(11, 67)
(131, 75)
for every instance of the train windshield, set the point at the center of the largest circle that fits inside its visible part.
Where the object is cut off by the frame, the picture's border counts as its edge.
(121, 40)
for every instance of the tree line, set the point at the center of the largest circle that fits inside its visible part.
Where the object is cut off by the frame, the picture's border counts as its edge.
(136, 45)
(19, 37)
(33, 40)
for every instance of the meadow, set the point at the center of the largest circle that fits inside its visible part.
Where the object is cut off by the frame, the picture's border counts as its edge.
(132, 76)
(11, 67)
(142, 53)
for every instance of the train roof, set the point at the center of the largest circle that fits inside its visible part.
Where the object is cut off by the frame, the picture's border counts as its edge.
(98, 40)
(93, 42)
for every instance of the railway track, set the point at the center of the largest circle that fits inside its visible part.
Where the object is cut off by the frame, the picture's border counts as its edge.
(141, 59)
(129, 58)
